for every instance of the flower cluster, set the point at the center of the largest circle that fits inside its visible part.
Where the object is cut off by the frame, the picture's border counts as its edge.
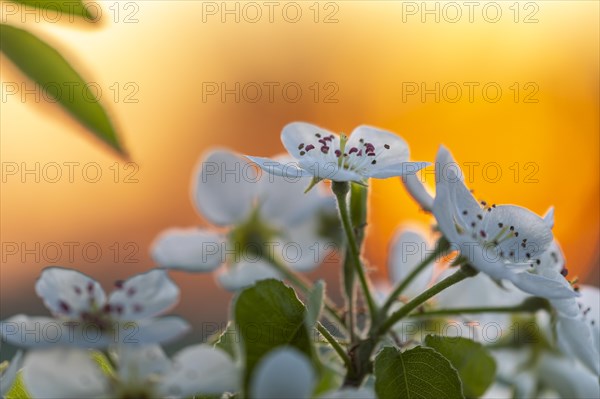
(423, 332)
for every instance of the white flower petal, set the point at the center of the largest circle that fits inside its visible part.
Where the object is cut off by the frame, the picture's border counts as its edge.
(568, 378)
(283, 373)
(155, 330)
(25, 331)
(145, 295)
(418, 192)
(8, 376)
(403, 169)
(137, 364)
(295, 134)
(397, 153)
(590, 300)
(288, 170)
(283, 201)
(542, 286)
(240, 275)
(225, 187)
(67, 292)
(201, 369)
(549, 217)
(192, 250)
(63, 373)
(532, 231)
(409, 248)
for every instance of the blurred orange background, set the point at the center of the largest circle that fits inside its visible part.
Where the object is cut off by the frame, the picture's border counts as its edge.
(541, 131)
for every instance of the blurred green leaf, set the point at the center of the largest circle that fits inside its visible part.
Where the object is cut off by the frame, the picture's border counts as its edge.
(18, 391)
(475, 366)
(417, 373)
(68, 7)
(269, 315)
(46, 67)
(314, 305)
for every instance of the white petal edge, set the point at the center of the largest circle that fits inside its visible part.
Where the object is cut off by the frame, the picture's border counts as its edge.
(224, 188)
(191, 250)
(283, 373)
(63, 373)
(201, 369)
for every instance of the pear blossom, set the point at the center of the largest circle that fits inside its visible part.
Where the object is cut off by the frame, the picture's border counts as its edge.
(252, 214)
(85, 316)
(368, 153)
(503, 241)
(141, 372)
(8, 373)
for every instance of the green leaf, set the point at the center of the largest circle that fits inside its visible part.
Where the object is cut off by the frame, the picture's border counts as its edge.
(228, 341)
(18, 390)
(269, 315)
(315, 305)
(67, 7)
(476, 367)
(53, 74)
(417, 373)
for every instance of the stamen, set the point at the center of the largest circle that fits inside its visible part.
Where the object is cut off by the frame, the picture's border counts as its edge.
(301, 146)
(309, 147)
(386, 146)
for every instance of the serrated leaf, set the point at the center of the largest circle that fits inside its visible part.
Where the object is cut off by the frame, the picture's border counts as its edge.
(417, 373)
(269, 315)
(314, 305)
(475, 365)
(53, 74)
(67, 7)
(228, 341)
(18, 390)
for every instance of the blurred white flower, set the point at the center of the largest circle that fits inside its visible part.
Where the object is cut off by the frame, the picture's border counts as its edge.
(141, 372)
(84, 316)
(283, 373)
(256, 213)
(8, 373)
(504, 241)
(368, 153)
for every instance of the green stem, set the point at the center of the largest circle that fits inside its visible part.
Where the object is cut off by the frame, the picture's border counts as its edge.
(305, 286)
(440, 248)
(531, 305)
(462, 273)
(358, 216)
(335, 344)
(340, 189)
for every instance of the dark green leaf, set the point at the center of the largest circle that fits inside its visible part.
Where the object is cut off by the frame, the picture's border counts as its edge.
(228, 341)
(269, 315)
(67, 7)
(476, 367)
(416, 373)
(46, 67)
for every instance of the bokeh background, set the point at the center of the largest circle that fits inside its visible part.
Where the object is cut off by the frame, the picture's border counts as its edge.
(155, 60)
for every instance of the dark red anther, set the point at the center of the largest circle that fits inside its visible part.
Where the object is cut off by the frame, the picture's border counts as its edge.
(309, 147)
(353, 150)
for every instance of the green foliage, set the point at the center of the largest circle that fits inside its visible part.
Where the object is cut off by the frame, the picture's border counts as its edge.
(67, 7)
(228, 341)
(315, 305)
(475, 366)
(18, 391)
(269, 315)
(53, 73)
(416, 373)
